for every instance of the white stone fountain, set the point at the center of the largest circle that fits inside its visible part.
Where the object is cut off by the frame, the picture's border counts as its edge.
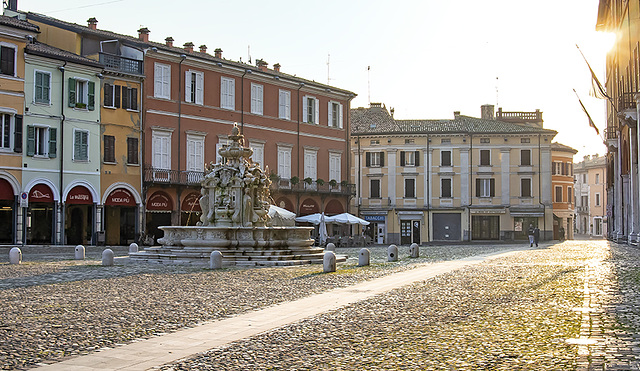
(234, 220)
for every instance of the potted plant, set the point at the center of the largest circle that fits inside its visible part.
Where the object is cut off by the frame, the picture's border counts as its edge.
(274, 177)
(81, 105)
(320, 181)
(333, 183)
(344, 183)
(295, 180)
(308, 180)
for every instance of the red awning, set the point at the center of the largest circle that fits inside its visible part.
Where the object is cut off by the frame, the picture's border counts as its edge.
(160, 201)
(191, 203)
(79, 195)
(40, 193)
(6, 192)
(120, 197)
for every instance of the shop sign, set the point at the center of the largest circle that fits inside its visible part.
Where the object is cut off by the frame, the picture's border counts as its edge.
(79, 195)
(374, 218)
(191, 203)
(159, 201)
(40, 193)
(120, 197)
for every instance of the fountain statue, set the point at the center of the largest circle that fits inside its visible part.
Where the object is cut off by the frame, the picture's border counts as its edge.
(235, 221)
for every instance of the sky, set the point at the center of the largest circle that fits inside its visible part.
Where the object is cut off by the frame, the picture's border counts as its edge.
(424, 58)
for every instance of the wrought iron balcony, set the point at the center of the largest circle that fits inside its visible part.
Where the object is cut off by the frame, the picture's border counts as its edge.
(582, 209)
(611, 133)
(627, 101)
(172, 177)
(121, 64)
(285, 186)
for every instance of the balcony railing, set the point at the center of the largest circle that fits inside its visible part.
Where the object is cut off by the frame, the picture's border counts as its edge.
(121, 64)
(627, 101)
(611, 133)
(172, 177)
(582, 209)
(525, 116)
(285, 186)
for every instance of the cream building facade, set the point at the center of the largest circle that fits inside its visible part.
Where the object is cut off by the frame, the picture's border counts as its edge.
(591, 202)
(451, 180)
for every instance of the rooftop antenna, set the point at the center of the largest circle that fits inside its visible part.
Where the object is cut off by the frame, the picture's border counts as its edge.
(328, 62)
(497, 101)
(249, 53)
(369, 84)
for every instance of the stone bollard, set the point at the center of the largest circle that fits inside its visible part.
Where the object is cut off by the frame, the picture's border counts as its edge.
(133, 247)
(414, 250)
(364, 257)
(15, 256)
(329, 262)
(79, 252)
(330, 247)
(215, 260)
(107, 257)
(392, 253)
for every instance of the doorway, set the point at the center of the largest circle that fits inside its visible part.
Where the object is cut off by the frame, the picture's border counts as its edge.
(409, 232)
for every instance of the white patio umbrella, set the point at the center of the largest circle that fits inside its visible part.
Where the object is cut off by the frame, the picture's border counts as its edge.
(346, 218)
(311, 218)
(322, 229)
(281, 217)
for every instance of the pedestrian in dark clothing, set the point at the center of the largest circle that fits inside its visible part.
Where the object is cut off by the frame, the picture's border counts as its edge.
(561, 233)
(536, 235)
(530, 234)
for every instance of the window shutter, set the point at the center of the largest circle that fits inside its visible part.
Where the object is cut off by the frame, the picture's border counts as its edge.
(492, 184)
(76, 145)
(17, 134)
(316, 107)
(125, 97)
(117, 96)
(340, 117)
(305, 108)
(108, 95)
(72, 92)
(402, 159)
(478, 185)
(417, 158)
(39, 94)
(368, 159)
(31, 140)
(84, 147)
(134, 98)
(381, 159)
(199, 88)
(329, 114)
(52, 142)
(157, 81)
(187, 86)
(92, 95)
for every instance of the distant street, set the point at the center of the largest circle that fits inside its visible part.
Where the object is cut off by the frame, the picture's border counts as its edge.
(563, 306)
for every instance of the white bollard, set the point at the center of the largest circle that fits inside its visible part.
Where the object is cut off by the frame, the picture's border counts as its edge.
(414, 250)
(330, 247)
(133, 248)
(329, 262)
(364, 257)
(107, 257)
(392, 253)
(15, 256)
(79, 252)
(215, 260)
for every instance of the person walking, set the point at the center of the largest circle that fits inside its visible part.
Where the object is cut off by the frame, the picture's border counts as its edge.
(530, 233)
(536, 235)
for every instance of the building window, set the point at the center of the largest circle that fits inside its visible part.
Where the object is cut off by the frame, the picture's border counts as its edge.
(162, 81)
(258, 153)
(284, 104)
(41, 141)
(485, 140)
(597, 178)
(569, 197)
(310, 112)
(7, 59)
(525, 140)
(194, 87)
(485, 187)
(445, 188)
(227, 93)
(409, 188)
(109, 148)
(161, 146)
(597, 199)
(109, 95)
(374, 159)
(80, 145)
(445, 158)
(222, 142)
(257, 93)
(374, 188)
(129, 98)
(485, 157)
(335, 172)
(132, 151)
(584, 178)
(558, 193)
(525, 187)
(311, 164)
(525, 157)
(445, 140)
(284, 162)
(81, 94)
(195, 152)
(335, 115)
(409, 141)
(10, 132)
(374, 141)
(410, 158)
(42, 91)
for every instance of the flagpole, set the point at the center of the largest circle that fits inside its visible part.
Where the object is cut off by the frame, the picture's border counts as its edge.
(591, 123)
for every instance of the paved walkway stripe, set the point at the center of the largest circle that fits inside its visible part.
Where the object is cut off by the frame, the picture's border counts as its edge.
(156, 351)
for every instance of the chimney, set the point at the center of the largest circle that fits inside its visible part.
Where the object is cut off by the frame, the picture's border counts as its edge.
(487, 111)
(92, 23)
(169, 41)
(262, 65)
(143, 34)
(276, 67)
(456, 114)
(188, 46)
(218, 52)
(203, 48)
(393, 110)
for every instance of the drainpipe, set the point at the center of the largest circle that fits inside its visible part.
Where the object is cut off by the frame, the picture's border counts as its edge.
(62, 118)
(428, 195)
(242, 101)
(347, 136)
(470, 183)
(544, 208)
(179, 189)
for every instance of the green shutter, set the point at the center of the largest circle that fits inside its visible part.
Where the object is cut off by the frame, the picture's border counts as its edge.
(72, 92)
(92, 95)
(31, 140)
(84, 148)
(52, 142)
(39, 93)
(76, 145)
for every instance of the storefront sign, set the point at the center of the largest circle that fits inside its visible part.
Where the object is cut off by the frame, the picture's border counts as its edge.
(159, 201)
(40, 193)
(6, 192)
(120, 197)
(191, 203)
(309, 207)
(79, 196)
(374, 218)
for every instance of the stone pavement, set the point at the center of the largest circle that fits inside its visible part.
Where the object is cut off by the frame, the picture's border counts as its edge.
(157, 351)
